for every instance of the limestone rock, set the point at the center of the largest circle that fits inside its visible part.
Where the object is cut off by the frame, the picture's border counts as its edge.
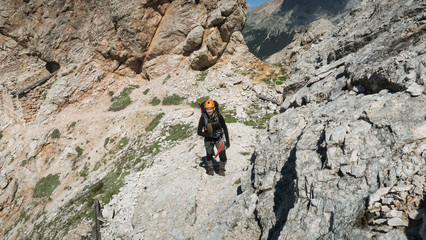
(397, 222)
(215, 18)
(326, 131)
(194, 39)
(377, 195)
(202, 59)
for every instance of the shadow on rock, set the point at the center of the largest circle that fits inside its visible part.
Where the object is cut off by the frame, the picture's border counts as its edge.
(285, 195)
(203, 164)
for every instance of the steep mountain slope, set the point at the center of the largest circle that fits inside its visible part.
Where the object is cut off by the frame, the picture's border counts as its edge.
(344, 158)
(68, 71)
(271, 26)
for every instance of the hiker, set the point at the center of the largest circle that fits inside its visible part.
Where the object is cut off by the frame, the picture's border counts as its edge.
(213, 128)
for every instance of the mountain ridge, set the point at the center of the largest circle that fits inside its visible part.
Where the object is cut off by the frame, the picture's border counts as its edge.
(266, 34)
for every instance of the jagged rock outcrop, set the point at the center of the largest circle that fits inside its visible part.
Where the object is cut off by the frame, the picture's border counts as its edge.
(345, 158)
(86, 51)
(271, 26)
(352, 123)
(148, 38)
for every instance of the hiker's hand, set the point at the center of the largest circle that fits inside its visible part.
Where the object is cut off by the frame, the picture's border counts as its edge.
(228, 145)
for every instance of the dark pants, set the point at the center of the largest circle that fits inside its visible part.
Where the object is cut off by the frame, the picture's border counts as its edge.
(210, 151)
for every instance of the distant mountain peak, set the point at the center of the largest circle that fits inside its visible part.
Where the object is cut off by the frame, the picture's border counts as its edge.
(272, 25)
(268, 7)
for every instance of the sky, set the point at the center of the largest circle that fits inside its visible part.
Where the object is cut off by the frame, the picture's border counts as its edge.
(251, 4)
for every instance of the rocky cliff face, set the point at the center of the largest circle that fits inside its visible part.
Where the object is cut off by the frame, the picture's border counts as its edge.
(346, 157)
(138, 39)
(133, 36)
(272, 26)
(63, 65)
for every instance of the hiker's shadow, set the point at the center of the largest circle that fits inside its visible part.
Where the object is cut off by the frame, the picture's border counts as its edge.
(203, 164)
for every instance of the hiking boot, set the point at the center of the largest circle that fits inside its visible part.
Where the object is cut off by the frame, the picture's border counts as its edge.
(222, 169)
(210, 171)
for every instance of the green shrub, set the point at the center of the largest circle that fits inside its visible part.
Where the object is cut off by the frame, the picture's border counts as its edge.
(55, 133)
(111, 93)
(155, 101)
(1, 135)
(202, 76)
(121, 101)
(146, 91)
(46, 185)
(79, 151)
(151, 126)
(173, 100)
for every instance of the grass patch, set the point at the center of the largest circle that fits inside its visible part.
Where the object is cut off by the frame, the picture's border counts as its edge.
(55, 134)
(245, 153)
(202, 76)
(106, 142)
(275, 80)
(230, 119)
(229, 116)
(72, 125)
(155, 101)
(23, 216)
(84, 172)
(196, 104)
(178, 132)
(166, 78)
(260, 123)
(97, 166)
(282, 78)
(256, 121)
(121, 101)
(23, 163)
(238, 181)
(79, 151)
(123, 142)
(153, 149)
(146, 91)
(173, 100)
(151, 126)
(46, 185)
(250, 123)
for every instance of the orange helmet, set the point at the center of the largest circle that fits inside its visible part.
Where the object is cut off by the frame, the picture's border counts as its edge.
(209, 104)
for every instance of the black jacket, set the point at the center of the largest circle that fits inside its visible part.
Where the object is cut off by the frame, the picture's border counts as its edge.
(201, 129)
